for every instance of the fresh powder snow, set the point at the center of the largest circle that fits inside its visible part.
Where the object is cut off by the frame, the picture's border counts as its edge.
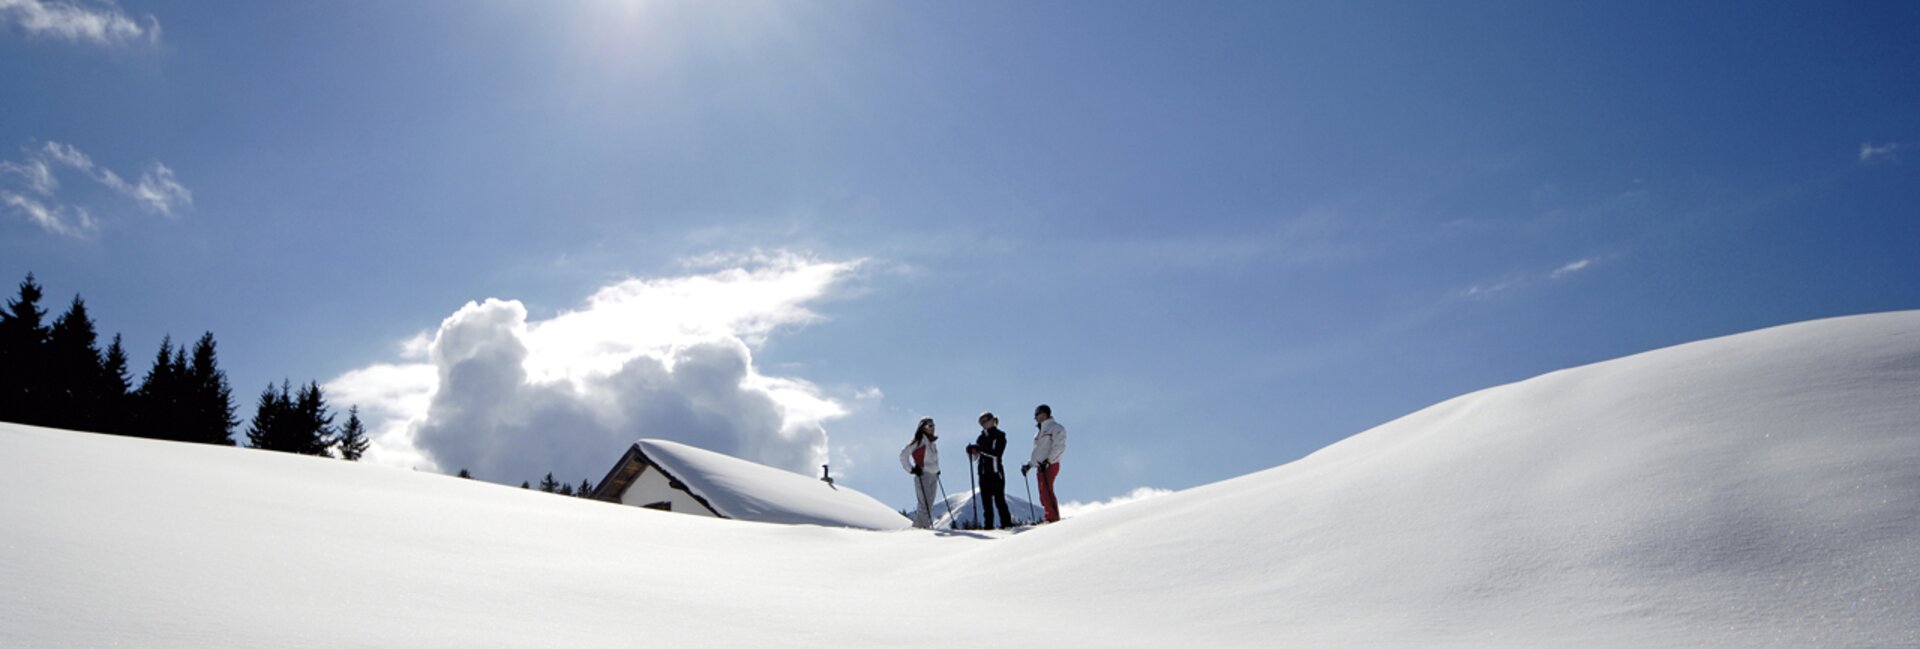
(1759, 490)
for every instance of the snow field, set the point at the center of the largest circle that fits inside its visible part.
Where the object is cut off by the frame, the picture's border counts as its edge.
(1752, 491)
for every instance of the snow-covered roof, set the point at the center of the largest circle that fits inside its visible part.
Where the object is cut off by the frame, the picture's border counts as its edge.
(740, 489)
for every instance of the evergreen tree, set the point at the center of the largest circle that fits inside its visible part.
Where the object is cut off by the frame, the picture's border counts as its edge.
(586, 489)
(524, 485)
(464, 474)
(292, 422)
(353, 437)
(549, 485)
(566, 490)
(179, 395)
(207, 398)
(23, 341)
(271, 416)
(72, 381)
(315, 433)
(157, 402)
(115, 391)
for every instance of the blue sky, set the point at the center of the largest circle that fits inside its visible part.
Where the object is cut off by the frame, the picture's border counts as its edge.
(1215, 237)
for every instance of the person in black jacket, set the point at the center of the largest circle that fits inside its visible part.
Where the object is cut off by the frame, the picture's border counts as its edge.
(987, 450)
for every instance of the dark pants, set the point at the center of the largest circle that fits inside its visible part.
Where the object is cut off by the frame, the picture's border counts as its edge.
(993, 492)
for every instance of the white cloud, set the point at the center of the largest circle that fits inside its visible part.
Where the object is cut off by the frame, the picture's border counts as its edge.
(36, 173)
(1527, 280)
(1571, 268)
(56, 218)
(511, 398)
(157, 191)
(97, 23)
(1076, 508)
(1871, 153)
(1487, 290)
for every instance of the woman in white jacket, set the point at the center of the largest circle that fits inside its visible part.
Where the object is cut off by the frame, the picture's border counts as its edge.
(922, 459)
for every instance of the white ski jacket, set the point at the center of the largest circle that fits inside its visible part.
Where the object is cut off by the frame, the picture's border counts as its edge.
(922, 453)
(1049, 443)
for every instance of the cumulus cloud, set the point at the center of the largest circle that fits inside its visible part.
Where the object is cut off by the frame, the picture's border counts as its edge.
(1871, 153)
(1076, 508)
(31, 188)
(96, 23)
(511, 398)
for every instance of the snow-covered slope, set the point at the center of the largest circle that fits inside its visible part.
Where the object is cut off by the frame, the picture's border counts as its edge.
(750, 491)
(1757, 490)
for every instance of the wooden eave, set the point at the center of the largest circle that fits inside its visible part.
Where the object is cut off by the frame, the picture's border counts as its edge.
(631, 466)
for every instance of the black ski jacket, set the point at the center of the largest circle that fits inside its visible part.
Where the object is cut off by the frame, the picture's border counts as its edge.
(992, 444)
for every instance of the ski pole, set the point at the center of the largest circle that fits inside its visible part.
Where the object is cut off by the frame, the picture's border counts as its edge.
(944, 500)
(1031, 517)
(973, 491)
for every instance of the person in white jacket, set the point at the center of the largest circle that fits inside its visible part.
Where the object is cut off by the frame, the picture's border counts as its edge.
(922, 459)
(1048, 444)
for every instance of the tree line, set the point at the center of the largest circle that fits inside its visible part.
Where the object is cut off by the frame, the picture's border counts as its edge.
(549, 485)
(56, 375)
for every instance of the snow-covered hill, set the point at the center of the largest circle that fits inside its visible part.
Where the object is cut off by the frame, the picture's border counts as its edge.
(1756, 490)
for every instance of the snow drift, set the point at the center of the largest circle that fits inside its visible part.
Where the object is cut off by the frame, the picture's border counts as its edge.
(1755, 490)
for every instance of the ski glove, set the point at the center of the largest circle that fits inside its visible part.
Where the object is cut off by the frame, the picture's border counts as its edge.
(1024, 468)
(915, 471)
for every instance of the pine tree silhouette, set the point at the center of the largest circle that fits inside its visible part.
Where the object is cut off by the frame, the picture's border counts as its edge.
(23, 342)
(73, 371)
(115, 391)
(271, 416)
(292, 422)
(353, 437)
(207, 400)
(157, 410)
(549, 485)
(315, 433)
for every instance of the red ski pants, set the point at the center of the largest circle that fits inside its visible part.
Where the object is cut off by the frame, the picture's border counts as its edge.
(1046, 492)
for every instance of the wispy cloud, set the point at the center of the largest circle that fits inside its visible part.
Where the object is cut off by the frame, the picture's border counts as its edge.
(31, 188)
(1871, 153)
(55, 218)
(1527, 280)
(96, 23)
(1570, 269)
